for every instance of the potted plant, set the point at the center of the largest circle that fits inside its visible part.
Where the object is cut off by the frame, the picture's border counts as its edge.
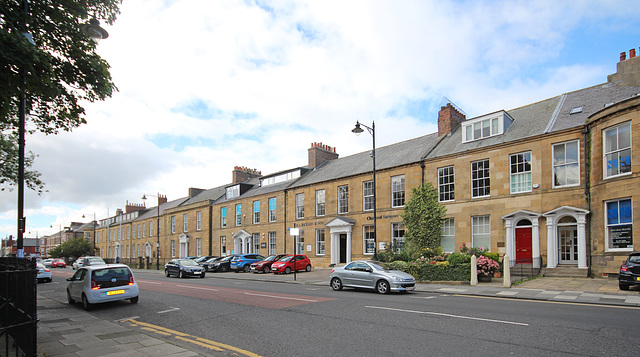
(486, 268)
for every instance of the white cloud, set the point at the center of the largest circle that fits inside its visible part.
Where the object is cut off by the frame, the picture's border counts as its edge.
(208, 85)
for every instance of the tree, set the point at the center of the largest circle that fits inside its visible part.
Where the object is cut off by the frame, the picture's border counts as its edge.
(58, 70)
(423, 216)
(75, 247)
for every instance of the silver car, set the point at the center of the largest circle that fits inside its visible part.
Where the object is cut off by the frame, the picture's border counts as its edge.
(102, 283)
(371, 275)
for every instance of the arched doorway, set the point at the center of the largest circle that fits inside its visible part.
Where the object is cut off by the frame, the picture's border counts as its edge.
(524, 246)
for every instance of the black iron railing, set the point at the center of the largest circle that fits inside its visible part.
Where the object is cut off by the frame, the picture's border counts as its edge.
(524, 269)
(18, 307)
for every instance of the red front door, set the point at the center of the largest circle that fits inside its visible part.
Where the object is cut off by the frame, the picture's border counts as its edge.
(523, 245)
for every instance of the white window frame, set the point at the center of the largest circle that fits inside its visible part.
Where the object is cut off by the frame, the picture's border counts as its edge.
(608, 226)
(320, 242)
(516, 182)
(343, 199)
(481, 232)
(256, 212)
(273, 243)
(273, 209)
(320, 203)
(238, 214)
(300, 205)
(185, 222)
(198, 246)
(256, 243)
(446, 190)
(198, 220)
(476, 179)
(616, 151)
(398, 191)
(173, 225)
(448, 238)
(144, 230)
(395, 237)
(564, 164)
(368, 238)
(367, 195)
(223, 246)
(150, 230)
(223, 217)
(173, 248)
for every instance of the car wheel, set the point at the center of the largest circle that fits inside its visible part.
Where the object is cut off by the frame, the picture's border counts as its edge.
(202, 276)
(134, 300)
(382, 287)
(70, 299)
(623, 286)
(287, 270)
(85, 303)
(336, 284)
(166, 273)
(236, 271)
(308, 268)
(223, 269)
(266, 270)
(247, 268)
(181, 275)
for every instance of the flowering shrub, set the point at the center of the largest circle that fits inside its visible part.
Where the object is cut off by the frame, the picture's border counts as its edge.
(477, 251)
(486, 266)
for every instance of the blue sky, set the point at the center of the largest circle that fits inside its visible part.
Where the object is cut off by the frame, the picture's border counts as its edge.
(208, 85)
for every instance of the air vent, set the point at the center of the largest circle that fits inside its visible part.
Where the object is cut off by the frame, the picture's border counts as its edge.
(576, 110)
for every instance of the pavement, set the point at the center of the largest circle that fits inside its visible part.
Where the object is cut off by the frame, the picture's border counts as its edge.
(65, 330)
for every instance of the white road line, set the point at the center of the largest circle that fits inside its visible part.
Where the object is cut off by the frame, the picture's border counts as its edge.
(196, 287)
(449, 315)
(423, 297)
(281, 297)
(170, 310)
(149, 282)
(128, 318)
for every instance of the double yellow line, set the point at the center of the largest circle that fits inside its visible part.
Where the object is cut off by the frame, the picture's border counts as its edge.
(202, 342)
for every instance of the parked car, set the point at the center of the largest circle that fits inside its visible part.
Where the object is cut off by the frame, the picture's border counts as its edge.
(242, 262)
(630, 272)
(371, 275)
(286, 264)
(223, 264)
(87, 261)
(96, 284)
(44, 273)
(58, 263)
(183, 268)
(47, 262)
(207, 263)
(203, 259)
(264, 266)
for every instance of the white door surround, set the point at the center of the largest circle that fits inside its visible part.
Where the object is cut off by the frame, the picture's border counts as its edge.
(553, 220)
(337, 226)
(511, 220)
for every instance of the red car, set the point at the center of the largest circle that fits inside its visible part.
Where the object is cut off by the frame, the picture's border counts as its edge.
(58, 263)
(285, 265)
(264, 266)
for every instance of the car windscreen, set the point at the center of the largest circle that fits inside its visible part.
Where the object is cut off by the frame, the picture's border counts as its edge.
(109, 277)
(187, 262)
(286, 259)
(270, 258)
(95, 260)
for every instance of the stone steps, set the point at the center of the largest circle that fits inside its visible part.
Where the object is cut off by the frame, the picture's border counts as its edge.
(565, 272)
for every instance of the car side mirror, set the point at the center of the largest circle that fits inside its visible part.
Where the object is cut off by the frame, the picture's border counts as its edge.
(368, 270)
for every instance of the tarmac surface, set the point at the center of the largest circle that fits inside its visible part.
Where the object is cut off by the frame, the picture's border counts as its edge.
(65, 330)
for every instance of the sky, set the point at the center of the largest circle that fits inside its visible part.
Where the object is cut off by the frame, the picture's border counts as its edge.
(204, 86)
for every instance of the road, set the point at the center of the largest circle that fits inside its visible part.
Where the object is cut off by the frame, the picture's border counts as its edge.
(275, 319)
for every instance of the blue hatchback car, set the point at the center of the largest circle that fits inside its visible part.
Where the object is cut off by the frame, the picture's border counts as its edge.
(242, 262)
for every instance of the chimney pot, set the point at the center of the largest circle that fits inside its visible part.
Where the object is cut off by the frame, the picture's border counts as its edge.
(632, 53)
(623, 56)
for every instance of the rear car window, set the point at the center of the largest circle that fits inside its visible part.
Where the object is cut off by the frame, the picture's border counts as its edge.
(110, 277)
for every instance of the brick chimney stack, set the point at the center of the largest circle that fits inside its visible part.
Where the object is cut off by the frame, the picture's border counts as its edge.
(449, 118)
(242, 174)
(161, 199)
(319, 153)
(132, 207)
(628, 70)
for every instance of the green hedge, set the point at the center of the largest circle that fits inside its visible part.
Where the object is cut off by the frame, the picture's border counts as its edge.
(433, 272)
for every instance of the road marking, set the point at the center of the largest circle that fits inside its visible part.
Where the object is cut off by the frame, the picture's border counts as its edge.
(196, 287)
(423, 297)
(170, 310)
(202, 342)
(449, 315)
(149, 282)
(586, 304)
(281, 297)
(128, 318)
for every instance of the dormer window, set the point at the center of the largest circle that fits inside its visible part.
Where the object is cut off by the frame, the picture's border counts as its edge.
(233, 191)
(485, 126)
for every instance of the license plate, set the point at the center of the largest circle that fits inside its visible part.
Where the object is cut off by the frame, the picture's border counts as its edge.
(411, 288)
(197, 272)
(638, 278)
(115, 292)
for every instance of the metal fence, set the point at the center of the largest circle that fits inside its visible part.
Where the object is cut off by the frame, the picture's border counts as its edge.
(524, 269)
(139, 262)
(18, 307)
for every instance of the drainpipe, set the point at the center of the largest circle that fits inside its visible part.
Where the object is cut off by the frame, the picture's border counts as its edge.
(422, 171)
(587, 193)
(210, 227)
(285, 221)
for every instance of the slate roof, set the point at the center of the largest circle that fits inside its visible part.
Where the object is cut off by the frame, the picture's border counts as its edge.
(153, 211)
(206, 195)
(402, 153)
(539, 118)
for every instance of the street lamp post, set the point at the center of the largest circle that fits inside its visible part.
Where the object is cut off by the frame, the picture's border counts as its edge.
(372, 130)
(96, 33)
(144, 198)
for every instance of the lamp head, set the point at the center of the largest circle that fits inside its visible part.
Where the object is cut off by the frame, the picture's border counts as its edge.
(144, 197)
(94, 31)
(357, 130)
